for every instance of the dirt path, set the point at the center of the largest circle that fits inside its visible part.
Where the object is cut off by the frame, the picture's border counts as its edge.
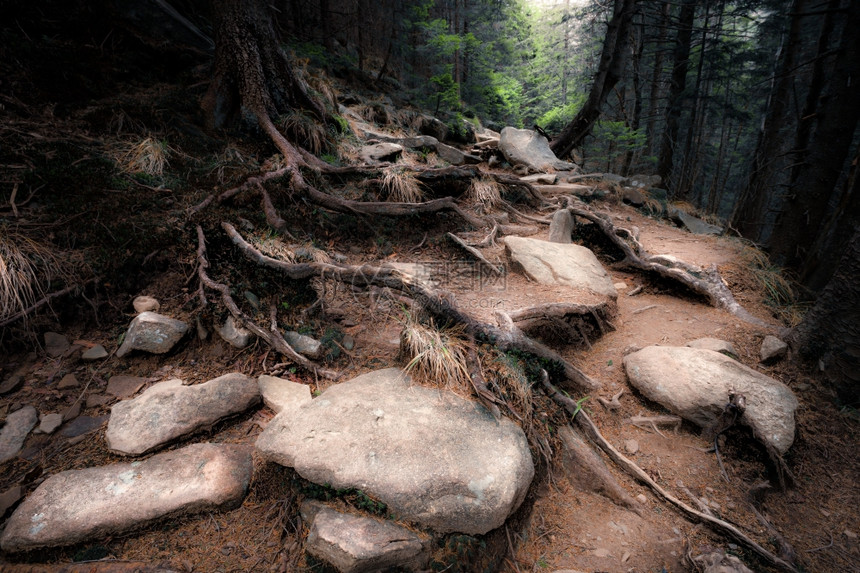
(567, 529)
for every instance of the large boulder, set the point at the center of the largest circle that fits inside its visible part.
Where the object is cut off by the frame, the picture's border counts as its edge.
(169, 410)
(153, 333)
(694, 224)
(356, 544)
(380, 152)
(571, 265)
(694, 383)
(529, 148)
(76, 505)
(434, 458)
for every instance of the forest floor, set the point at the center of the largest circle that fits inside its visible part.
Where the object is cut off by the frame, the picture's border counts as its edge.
(136, 232)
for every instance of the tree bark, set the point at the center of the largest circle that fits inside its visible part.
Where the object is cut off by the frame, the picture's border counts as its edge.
(676, 89)
(806, 208)
(612, 61)
(830, 331)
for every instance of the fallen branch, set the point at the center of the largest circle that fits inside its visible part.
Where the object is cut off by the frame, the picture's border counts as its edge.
(721, 526)
(42, 302)
(614, 403)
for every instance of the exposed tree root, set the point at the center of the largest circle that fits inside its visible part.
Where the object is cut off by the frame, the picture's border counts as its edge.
(590, 429)
(475, 253)
(273, 338)
(438, 303)
(707, 283)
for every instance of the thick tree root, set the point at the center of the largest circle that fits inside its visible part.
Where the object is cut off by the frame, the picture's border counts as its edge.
(273, 338)
(440, 304)
(590, 429)
(707, 283)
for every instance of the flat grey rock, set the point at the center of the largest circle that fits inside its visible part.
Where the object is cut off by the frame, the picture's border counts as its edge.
(233, 334)
(77, 505)
(695, 384)
(557, 264)
(561, 227)
(305, 345)
(97, 352)
(56, 344)
(125, 386)
(279, 394)
(82, 425)
(67, 381)
(772, 349)
(380, 152)
(714, 344)
(434, 458)
(15, 431)
(169, 410)
(49, 423)
(694, 224)
(454, 156)
(418, 142)
(355, 544)
(529, 148)
(153, 333)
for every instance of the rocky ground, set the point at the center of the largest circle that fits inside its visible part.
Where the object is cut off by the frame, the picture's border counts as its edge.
(146, 431)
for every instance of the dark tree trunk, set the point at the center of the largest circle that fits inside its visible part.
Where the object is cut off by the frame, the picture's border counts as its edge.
(676, 89)
(252, 72)
(806, 209)
(656, 78)
(612, 61)
(749, 212)
(830, 331)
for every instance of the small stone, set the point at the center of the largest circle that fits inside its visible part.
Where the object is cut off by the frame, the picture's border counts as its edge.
(9, 498)
(97, 352)
(11, 384)
(72, 411)
(304, 345)
(620, 286)
(125, 386)
(145, 304)
(202, 333)
(49, 423)
(714, 344)
(96, 400)
(252, 299)
(15, 431)
(601, 552)
(561, 227)
(626, 557)
(715, 505)
(802, 387)
(849, 534)
(55, 344)
(233, 334)
(356, 544)
(641, 498)
(279, 393)
(67, 381)
(348, 342)
(82, 425)
(772, 349)
(631, 446)
(153, 333)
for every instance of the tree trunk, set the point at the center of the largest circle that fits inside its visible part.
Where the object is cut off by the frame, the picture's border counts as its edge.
(748, 215)
(830, 331)
(676, 89)
(805, 210)
(656, 78)
(251, 70)
(612, 61)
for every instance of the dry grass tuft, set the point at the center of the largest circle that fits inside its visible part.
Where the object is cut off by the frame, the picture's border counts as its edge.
(306, 131)
(486, 193)
(436, 356)
(149, 156)
(401, 187)
(27, 269)
(779, 292)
